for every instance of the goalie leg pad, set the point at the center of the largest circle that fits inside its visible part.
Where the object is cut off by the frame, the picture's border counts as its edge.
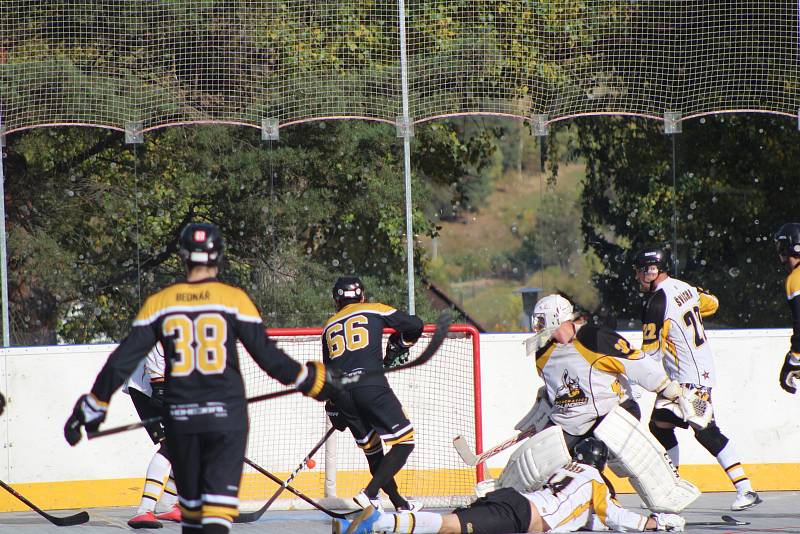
(712, 438)
(652, 474)
(532, 463)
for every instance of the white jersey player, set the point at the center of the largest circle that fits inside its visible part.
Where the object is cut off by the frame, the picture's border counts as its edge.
(672, 330)
(576, 497)
(146, 389)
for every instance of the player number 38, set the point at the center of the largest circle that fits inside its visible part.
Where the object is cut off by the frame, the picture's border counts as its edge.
(199, 343)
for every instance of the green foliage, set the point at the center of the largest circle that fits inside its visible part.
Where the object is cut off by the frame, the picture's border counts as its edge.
(736, 184)
(93, 223)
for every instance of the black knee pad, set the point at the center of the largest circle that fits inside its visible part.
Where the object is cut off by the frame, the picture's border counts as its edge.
(712, 438)
(665, 436)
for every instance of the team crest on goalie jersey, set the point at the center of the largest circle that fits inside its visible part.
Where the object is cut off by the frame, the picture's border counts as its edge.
(569, 393)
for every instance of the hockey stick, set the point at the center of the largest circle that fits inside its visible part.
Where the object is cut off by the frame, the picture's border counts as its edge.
(727, 521)
(249, 517)
(77, 519)
(294, 490)
(442, 327)
(472, 459)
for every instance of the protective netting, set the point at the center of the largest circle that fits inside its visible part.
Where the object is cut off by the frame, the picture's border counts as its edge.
(440, 398)
(161, 62)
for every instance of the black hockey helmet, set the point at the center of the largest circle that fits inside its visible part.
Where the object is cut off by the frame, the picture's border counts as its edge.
(591, 451)
(200, 244)
(348, 289)
(787, 240)
(651, 256)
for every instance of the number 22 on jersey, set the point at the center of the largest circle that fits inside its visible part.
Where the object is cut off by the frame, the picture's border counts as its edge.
(199, 343)
(349, 335)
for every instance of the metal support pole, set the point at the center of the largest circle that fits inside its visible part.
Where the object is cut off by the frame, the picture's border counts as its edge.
(407, 133)
(3, 256)
(672, 127)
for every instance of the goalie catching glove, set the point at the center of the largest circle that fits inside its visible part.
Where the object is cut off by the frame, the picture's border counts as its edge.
(690, 403)
(669, 522)
(790, 372)
(396, 352)
(88, 412)
(317, 382)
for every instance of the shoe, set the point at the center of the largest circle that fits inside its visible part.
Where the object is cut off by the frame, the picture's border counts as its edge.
(145, 520)
(363, 501)
(745, 500)
(173, 515)
(413, 506)
(364, 522)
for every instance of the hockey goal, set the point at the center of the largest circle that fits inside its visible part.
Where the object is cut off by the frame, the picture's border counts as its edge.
(442, 399)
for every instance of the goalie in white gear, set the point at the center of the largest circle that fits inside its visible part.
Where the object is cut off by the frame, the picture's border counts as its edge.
(588, 372)
(672, 331)
(575, 497)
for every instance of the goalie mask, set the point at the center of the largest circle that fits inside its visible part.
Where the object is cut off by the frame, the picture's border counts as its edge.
(591, 451)
(347, 290)
(787, 241)
(200, 244)
(550, 312)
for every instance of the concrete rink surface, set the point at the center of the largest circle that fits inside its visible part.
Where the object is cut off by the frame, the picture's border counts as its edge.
(779, 513)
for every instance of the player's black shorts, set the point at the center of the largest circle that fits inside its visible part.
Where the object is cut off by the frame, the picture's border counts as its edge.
(500, 512)
(147, 411)
(371, 410)
(208, 469)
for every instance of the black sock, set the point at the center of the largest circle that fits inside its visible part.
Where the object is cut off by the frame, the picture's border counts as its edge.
(388, 467)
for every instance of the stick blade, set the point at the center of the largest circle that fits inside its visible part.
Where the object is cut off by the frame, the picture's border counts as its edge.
(71, 520)
(463, 450)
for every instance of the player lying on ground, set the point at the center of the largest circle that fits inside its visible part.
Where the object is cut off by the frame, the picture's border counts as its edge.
(198, 322)
(672, 330)
(575, 497)
(352, 342)
(587, 372)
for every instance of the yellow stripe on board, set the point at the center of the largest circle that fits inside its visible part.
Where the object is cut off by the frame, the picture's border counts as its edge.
(254, 487)
(711, 477)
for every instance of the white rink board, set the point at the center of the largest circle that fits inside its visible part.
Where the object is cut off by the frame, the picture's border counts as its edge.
(42, 383)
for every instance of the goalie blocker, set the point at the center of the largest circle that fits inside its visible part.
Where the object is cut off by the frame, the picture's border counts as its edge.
(651, 472)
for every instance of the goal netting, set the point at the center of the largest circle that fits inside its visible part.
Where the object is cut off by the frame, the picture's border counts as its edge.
(154, 63)
(441, 398)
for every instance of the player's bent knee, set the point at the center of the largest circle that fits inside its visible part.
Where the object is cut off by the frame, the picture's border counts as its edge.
(712, 438)
(665, 435)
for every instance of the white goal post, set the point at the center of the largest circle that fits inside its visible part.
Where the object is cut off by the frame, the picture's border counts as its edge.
(442, 399)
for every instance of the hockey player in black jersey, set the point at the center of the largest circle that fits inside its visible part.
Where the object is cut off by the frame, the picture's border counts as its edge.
(351, 344)
(787, 240)
(198, 322)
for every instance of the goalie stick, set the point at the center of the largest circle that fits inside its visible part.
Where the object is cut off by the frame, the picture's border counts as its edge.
(442, 327)
(727, 521)
(249, 517)
(296, 491)
(472, 459)
(70, 520)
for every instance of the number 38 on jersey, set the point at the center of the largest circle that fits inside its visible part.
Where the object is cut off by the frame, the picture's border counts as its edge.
(199, 343)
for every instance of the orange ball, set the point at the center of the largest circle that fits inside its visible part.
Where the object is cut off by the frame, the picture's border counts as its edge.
(311, 463)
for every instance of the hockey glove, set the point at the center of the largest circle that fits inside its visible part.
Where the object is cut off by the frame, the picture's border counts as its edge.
(157, 396)
(669, 522)
(790, 372)
(320, 383)
(88, 412)
(396, 353)
(336, 416)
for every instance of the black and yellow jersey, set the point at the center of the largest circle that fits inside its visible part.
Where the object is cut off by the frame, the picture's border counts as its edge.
(588, 377)
(352, 340)
(672, 329)
(198, 325)
(793, 298)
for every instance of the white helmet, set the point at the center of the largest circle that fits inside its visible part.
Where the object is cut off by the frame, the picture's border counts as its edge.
(550, 312)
